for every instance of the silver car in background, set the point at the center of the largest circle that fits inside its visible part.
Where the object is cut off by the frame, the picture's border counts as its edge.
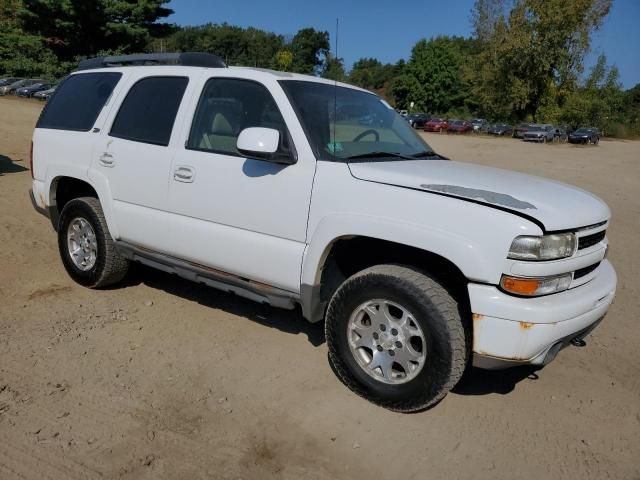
(12, 87)
(541, 133)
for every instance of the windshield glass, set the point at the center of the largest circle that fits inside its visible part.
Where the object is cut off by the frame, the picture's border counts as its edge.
(342, 123)
(582, 131)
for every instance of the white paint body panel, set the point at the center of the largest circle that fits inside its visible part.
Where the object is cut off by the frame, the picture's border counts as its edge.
(275, 224)
(557, 205)
(523, 329)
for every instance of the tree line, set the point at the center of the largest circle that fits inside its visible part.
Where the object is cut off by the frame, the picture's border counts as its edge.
(524, 60)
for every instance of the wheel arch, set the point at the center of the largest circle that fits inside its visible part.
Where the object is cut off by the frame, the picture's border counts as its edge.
(346, 255)
(66, 187)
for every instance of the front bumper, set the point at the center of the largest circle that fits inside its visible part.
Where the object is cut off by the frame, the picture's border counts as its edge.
(509, 330)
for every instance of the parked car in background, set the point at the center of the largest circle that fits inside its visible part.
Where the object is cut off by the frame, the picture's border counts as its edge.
(44, 94)
(500, 129)
(417, 120)
(560, 135)
(585, 136)
(520, 130)
(11, 88)
(436, 125)
(32, 89)
(479, 124)
(8, 81)
(459, 126)
(539, 133)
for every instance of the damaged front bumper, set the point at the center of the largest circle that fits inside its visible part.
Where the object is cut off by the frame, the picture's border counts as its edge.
(510, 331)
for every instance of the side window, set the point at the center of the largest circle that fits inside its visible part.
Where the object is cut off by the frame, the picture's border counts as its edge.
(149, 110)
(228, 106)
(78, 100)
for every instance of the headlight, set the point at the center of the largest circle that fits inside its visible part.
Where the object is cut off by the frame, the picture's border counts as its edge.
(534, 287)
(546, 247)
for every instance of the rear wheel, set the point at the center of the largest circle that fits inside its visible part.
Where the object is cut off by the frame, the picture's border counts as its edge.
(396, 337)
(86, 247)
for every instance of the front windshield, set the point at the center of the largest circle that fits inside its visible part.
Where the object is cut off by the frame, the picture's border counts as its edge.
(342, 123)
(582, 131)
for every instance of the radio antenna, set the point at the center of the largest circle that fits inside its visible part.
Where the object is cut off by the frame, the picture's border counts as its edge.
(335, 96)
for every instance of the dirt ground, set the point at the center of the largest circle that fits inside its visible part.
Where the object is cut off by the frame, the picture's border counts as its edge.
(161, 378)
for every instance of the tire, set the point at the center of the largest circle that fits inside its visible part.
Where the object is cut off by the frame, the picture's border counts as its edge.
(446, 342)
(109, 266)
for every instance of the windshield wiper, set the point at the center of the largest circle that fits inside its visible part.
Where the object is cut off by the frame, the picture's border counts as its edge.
(379, 155)
(428, 153)
(413, 156)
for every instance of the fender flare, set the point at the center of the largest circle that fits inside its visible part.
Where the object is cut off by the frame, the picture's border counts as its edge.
(463, 252)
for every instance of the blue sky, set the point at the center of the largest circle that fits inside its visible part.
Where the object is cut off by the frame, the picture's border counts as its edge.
(370, 29)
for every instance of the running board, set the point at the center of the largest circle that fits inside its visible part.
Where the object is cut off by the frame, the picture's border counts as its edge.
(243, 287)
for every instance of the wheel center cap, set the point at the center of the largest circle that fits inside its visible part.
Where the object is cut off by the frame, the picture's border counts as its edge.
(387, 341)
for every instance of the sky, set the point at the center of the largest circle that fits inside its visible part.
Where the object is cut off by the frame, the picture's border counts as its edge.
(371, 29)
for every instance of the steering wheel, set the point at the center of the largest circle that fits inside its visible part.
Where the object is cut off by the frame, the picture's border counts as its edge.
(371, 131)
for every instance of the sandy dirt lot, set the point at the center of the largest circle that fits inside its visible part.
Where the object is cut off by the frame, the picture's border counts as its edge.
(161, 378)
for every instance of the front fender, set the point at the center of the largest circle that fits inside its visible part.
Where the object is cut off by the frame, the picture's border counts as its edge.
(462, 251)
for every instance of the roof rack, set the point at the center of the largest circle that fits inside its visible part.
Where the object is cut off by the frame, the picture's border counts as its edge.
(189, 59)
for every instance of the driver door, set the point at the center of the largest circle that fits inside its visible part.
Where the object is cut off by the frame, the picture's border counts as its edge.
(243, 216)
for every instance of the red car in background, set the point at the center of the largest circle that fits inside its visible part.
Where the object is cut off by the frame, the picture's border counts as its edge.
(520, 130)
(459, 126)
(436, 125)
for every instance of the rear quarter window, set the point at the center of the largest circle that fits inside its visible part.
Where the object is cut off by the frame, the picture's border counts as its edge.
(78, 100)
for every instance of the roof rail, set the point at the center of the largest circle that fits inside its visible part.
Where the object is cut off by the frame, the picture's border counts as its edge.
(189, 59)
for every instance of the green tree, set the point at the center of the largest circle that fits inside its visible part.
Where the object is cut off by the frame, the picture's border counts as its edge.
(283, 61)
(530, 52)
(236, 45)
(333, 68)
(309, 48)
(73, 28)
(406, 89)
(437, 66)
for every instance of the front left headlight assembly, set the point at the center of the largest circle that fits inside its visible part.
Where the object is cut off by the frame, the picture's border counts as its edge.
(546, 247)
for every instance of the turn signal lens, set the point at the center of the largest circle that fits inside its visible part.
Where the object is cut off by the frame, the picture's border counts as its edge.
(534, 287)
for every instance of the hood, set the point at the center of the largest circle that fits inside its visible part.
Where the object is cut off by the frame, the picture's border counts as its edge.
(555, 205)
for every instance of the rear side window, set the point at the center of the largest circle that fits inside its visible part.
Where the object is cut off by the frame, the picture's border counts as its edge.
(77, 102)
(149, 110)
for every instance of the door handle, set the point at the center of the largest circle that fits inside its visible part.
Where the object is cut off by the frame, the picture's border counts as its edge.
(106, 160)
(184, 174)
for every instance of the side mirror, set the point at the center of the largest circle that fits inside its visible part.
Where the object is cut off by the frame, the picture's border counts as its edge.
(262, 143)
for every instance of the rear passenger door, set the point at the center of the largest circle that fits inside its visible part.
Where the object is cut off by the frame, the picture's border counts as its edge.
(134, 157)
(244, 216)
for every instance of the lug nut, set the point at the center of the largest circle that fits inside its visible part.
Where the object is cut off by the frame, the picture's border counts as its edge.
(394, 331)
(398, 344)
(375, 335)
(383, 328)
(379, 347)
(392, 353)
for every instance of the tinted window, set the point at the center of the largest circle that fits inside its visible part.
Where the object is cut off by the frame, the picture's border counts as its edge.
(77, 101)
(228, 106)
(149, 110)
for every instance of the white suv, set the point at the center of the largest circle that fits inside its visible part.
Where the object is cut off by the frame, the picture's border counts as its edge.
(294, 190)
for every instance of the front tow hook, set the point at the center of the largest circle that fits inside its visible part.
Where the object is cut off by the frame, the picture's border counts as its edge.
(578, 342)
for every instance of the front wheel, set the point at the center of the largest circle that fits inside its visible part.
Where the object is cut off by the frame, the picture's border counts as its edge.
(396, 337)
(86, 247)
